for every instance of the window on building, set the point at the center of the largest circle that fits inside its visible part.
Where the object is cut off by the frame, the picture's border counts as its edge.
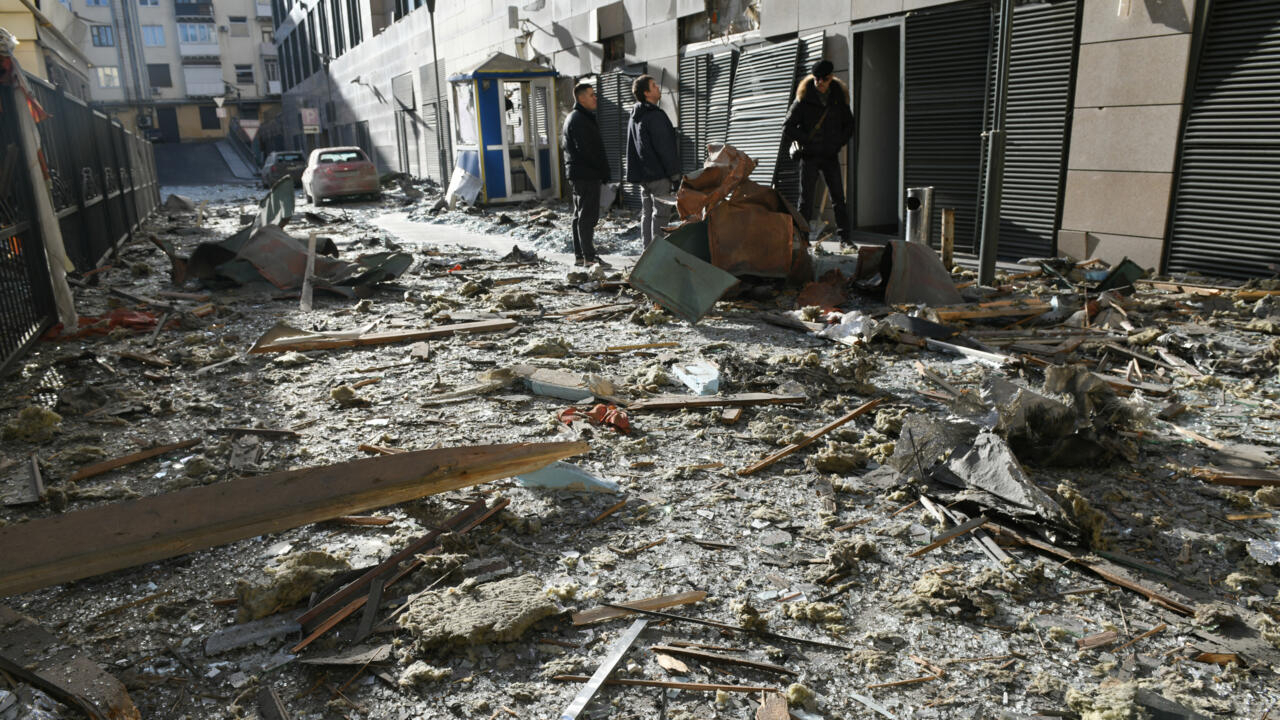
(103, 35)
(158, 75)
(247, 111)
(353, 22)
(209, 119)
(268, 36)
(196, 33)
(244, 74)
(96, 3)
(239, 25)
(271, 69)
(324, 30)
(108, 76)
(153, 35)
(339, 43)
(149, 3)
(615, 52)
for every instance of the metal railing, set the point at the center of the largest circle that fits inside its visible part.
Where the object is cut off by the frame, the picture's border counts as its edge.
(102, 184)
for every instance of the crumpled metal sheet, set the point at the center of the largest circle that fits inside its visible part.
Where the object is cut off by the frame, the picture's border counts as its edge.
(677, 279)
(750, 240)
(726, 168)
(917, 277)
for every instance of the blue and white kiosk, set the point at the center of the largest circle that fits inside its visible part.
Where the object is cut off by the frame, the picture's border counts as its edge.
(506, 135)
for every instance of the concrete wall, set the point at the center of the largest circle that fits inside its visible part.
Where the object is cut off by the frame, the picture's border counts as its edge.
(1131, 78)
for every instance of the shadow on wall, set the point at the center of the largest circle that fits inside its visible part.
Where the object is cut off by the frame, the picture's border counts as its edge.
(1169, 13)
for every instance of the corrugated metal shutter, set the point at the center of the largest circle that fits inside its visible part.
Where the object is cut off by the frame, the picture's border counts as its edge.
(613, 93)
(786, 178)
(762, 89)
(1227, 200)
(721, 73)
(946, 83)
(1041, 69)
(692, 99)
(435, 114)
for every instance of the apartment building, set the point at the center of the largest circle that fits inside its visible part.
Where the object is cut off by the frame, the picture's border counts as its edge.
(48, 42)
(181, 70)
(1138, 129)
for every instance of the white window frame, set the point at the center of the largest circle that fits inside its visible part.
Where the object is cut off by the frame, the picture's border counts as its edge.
(196, 33)
(108, 76)
(146, 41)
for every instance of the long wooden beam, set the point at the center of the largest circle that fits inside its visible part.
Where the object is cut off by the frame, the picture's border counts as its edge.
(81, 544)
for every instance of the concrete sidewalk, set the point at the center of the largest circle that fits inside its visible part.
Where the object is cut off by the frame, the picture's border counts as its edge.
(236, 164)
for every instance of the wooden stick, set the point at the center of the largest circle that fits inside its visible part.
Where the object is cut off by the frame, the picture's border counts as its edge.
(80, 544)
(810, 438)
(711, 657)
(908, 681)
(955, 532)
(89, 471)
(696, 687)
(265, 432)
(600, 614)
(641, 346)
(284, 341)
(611, 510)
(679, 402)
(1157, 629)
(948, 238)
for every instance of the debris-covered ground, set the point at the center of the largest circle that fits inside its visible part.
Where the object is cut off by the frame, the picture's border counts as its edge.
(1053, 502)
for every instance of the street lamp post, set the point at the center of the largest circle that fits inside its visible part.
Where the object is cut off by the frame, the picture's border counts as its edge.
(435, 68)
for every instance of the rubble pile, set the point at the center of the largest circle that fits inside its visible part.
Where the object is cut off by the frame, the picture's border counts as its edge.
(469, 482)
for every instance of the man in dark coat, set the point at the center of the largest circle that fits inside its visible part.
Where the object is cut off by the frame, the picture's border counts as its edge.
(587, 168)
(651, 154)
(822, 123)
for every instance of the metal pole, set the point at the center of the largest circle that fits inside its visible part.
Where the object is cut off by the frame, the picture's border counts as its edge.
(919, 214)
(994, 180)
(441, 139)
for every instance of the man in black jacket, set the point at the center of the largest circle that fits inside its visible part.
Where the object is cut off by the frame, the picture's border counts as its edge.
(587, 168)
(821, 122)
(651, 154)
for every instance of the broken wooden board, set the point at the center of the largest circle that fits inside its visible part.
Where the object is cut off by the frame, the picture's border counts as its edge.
(154, 528)
(1125, 386)
(986, 358)
(720, 659)
(810, 438)
(89, 471)
(1239, 476)
(22, 484)
(28, 652)
(999, 308)
(600, 614)
(680, 402)
(283, 338)
(697, 687)
(354, 656)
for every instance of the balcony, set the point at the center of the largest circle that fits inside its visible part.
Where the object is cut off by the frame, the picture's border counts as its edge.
(267, 50)
(193, 10)
(187, 50)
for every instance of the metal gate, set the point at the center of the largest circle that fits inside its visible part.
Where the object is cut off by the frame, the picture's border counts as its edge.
(946, 69)
(1227, 198)
(1041, 77)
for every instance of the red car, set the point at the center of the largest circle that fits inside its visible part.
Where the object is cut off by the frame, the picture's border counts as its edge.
(339, 172)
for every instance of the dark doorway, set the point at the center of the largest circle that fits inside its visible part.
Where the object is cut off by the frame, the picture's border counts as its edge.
(167, 119)
(877, 165)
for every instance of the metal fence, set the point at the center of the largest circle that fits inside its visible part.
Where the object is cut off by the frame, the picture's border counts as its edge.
(103, 185)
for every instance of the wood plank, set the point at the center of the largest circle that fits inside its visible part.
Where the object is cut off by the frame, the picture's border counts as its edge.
(283, 338)
(600, 614)
(810, 438)
(720, 659)
(1098, 640)
(31, 653)
(264, 432)
(946, 537)
(1239, 476)
(89, 471)
(680, 402)
(981, 356)
(696, 687)
(154, 528)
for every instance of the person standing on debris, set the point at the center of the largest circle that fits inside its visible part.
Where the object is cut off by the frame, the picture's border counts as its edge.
(651, 154)
(588, 169)
(818, 125)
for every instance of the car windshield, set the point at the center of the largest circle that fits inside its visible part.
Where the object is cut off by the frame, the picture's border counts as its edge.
(342, 156)
(289, 157)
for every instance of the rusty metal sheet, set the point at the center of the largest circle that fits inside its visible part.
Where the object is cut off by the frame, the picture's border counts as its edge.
(725, 169)
(750, 240)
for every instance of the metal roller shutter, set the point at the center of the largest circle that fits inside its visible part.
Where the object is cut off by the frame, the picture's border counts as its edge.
(1227, 200)
(720, 77)
(787, 176)
(691, 101)
(1041, 70)
(762, 89)
(613, 93)
(946, 84)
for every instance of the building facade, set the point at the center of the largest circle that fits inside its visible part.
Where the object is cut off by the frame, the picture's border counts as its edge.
(48, 42)
(178, 71)
(1135, 129)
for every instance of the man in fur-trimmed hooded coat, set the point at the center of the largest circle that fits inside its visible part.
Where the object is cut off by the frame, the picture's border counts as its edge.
(822, 123)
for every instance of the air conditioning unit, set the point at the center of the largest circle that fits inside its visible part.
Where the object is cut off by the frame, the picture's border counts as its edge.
(144, 121)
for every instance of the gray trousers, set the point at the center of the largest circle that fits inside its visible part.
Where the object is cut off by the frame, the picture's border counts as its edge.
(653, 214)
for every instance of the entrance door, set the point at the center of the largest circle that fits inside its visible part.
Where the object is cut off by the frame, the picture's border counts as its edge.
(167, 119)
(875, 167)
